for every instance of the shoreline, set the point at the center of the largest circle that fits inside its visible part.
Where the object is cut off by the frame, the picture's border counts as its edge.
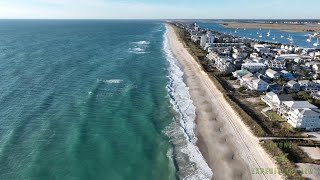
(228, 146)
(282, 27)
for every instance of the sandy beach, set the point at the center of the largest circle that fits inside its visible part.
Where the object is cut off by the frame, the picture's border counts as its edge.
(228, 146)
(284, 27)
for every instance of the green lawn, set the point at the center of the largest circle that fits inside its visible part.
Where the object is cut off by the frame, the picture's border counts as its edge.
(274, 116)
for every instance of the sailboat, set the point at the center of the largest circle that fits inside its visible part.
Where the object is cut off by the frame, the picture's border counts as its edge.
(268, 34)
(260, 36)
(244, 29)
(281, 36)
(290, 38)
(235, 31)
(274, 37)
(317, 43)
(309, 39)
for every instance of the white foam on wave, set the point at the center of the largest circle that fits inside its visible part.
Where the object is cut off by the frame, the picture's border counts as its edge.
(113, 81)
(142, 42)
(181, 132)
(137, 50)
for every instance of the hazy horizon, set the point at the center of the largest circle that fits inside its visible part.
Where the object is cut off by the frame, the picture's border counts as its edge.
(155, 9)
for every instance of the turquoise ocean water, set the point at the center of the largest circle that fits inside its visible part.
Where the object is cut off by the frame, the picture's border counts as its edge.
(87, 100)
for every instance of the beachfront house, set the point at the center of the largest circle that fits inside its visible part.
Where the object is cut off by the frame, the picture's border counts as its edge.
(272, 74)
(195, 38)
(287, 106)
(224, 64)
(254, 67)
(304, 118)
(212, 56)
(274, 100)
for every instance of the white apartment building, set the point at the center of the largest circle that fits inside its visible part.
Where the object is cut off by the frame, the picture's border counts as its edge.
(305, 118)
(254, 67)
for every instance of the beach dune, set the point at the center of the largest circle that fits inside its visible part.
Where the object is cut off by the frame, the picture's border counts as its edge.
(228, 146)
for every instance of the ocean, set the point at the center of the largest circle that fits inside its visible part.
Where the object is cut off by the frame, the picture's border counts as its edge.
(93, 99)
(299, 38)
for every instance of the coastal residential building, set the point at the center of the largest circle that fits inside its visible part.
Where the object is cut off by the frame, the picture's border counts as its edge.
(316, 68)
(276, 65)
(262, 48)
(239, 54)
(310, 64)
(258, 85)
(304, 118)
(253, 83)
(274, 100)
(276, 88)
(224, 64)
(307, 85)
(195, 38)
(272, 74)
(315, 95)
(258, 60)
(289, 57)
(254, 67)
(293, 86)
(287, 106)
(240, 73)
(286, 75)
(244, 80)
(203, 41)
(254, 55)
(207, 39)
(212, 56)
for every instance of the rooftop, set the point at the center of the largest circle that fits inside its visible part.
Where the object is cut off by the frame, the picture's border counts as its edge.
(299, 104)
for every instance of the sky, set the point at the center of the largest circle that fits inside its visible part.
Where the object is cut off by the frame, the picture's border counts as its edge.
(159, 9)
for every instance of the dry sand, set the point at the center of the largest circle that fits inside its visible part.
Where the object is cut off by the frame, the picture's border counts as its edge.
(228, 146)
(284, 27)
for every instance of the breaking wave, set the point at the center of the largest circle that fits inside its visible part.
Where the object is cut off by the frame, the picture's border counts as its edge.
(140, 47)
(142, 42)
(190, 163)
(113, 81)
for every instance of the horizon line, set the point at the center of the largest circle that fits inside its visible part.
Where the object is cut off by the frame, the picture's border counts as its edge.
(177, 19)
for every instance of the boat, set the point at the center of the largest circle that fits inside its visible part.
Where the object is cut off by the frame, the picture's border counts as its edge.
(274, 37)
(268, 34)
(244, 29)
(260, 36)
(317, 43)
(309, 39)
(235, 31)
(281, 36)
